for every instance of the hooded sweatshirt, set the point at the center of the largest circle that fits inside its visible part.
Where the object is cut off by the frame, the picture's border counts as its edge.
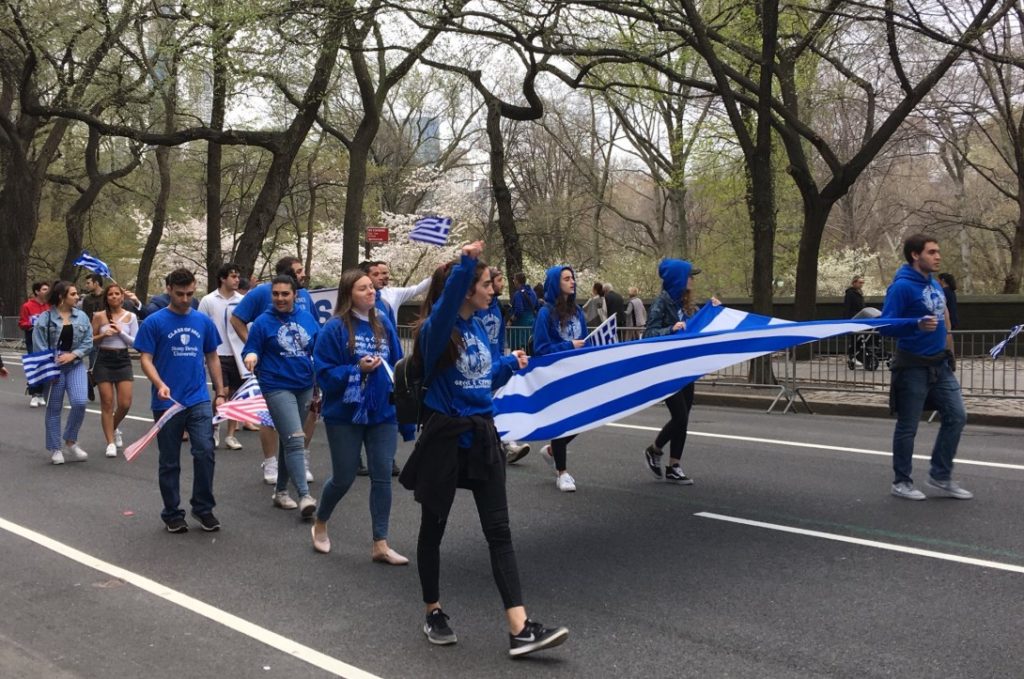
(349, 395)
(667, 309)
(494, 323)
(913, 295)
(284, 343)
(549, 334)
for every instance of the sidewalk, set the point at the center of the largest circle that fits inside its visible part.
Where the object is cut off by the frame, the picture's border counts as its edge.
(980, 410)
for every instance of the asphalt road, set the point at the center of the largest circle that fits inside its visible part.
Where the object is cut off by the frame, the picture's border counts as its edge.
(830, 576)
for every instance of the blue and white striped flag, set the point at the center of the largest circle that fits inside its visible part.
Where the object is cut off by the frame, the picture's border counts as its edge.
(433, 230)
(998, 349)
(604, 334)
(87, 261)
(40, 367)
(574, 391)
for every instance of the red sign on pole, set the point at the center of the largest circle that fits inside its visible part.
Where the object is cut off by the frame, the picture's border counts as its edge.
(376, 234)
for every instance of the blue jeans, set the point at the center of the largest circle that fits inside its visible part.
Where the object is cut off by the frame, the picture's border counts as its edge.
(911, 388)
(345, 441)
(288, 410)
(197, 420)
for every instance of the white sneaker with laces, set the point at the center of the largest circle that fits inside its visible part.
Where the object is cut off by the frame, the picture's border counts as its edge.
(42, 400)
(216, 436)
(76, 454)
(34, 402)
(269, 466)
(566, 483)
(906, 491)
(231, 443)
(56, 457)
(949, 488)
(283, 500)
(309, 474)
(111, 450)
(118, 438)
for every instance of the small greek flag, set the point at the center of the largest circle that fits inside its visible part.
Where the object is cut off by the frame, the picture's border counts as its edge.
(433, 230)
(604, 334)
(87, 261)
(998, 349)
(40, 367)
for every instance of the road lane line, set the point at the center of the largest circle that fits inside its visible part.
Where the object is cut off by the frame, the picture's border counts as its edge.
(984, 563)
(818, 446)
(240, 625)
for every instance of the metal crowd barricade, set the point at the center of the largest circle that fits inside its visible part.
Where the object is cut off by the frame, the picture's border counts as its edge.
(11, 336)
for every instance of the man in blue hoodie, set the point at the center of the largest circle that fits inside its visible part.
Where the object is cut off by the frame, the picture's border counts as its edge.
(922, 371)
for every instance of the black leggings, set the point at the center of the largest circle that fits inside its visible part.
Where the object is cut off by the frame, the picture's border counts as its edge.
(492, 506)
(679, 405)
(559, 448)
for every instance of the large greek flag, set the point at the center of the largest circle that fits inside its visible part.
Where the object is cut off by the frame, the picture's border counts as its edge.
(573, 391)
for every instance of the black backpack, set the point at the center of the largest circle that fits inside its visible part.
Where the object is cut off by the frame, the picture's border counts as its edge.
(410, 390)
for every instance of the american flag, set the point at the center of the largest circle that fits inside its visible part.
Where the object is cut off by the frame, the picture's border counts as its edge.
(87, 261)
(132, 451)
(40, 367)
(998, 349)
(604, 334)
(433, 230)
(247, 405)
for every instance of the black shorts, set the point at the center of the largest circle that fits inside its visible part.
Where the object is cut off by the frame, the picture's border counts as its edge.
(229, 372)
(112, 365)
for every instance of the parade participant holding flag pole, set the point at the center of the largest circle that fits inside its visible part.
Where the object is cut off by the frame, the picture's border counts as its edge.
(175, 342)
(351, 358)
(459, 446)
(65, 331)
(561, 326)
(669, 313)
(281, 341)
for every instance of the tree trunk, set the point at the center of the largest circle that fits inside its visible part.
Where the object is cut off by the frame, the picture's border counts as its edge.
(1012, 284)
(19, 221)
(156, 232)
(816, 211)
(74, 226)
(355, 191)
(511, 246)
(214, 153)
(680, 246)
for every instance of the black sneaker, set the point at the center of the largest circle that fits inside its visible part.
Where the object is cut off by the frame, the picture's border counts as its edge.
(535, 637)
(395, 469)
(207, 521)
(675, 475)
(362, 470)
(437, 630)
(177, 525)
(653, 458)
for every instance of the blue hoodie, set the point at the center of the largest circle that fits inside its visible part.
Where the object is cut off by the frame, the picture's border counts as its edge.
(494, 323)
(349, 397)
(464, 388)
(667, 309)
(912, 295)
(284, 344)
(550, 335)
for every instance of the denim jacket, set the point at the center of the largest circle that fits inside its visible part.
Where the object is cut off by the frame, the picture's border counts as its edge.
(48, 326)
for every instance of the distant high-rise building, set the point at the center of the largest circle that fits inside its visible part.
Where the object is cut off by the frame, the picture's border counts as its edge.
(427, 139)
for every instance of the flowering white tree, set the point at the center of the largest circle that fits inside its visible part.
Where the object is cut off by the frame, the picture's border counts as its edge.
(837, 269)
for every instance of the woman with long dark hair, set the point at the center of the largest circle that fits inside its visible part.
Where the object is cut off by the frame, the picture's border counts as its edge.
(65, 330)
(113, 331)
(350, 359)
(281, 342)
(561, 326)
(459, 446)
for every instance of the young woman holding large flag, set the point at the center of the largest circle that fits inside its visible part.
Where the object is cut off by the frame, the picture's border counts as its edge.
(669, 313)
(459, 446)
(281, 342)
(349, 359)
(561, 326)
(113, 331)
(65, 330)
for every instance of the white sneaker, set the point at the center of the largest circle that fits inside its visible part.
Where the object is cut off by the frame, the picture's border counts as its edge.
(42, 400)
(216, 435)
(34, 402)
(111, 450)
(118, 438)
(269, 465)
(56, 457)
(566, 483)
(906, 490)
(307, 505)
(309, 474)
(232, 443)
(545, 453)
(76, 454)
(283, 500)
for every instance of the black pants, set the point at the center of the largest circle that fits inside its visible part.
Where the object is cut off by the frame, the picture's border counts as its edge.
(492, 506)
(674, 431)
(38, 389)
(559, 448)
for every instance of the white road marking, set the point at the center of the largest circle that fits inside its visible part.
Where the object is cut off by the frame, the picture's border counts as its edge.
(240, 625)
(819, 446)
(984, 563)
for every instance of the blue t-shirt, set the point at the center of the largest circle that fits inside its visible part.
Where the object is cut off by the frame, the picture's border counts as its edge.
(178, 344)
(260, 299)
(284, 344)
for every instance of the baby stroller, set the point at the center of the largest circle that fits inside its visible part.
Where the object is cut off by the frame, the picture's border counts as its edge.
(868, 348)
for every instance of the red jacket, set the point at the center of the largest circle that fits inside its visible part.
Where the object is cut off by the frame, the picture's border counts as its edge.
(30, 310)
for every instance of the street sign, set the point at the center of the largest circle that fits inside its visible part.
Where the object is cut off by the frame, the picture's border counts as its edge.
(376, 234)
